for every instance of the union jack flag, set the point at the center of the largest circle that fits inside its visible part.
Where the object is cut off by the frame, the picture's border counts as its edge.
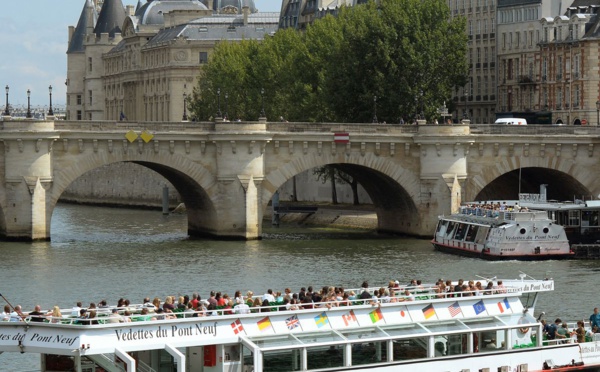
(292, 322)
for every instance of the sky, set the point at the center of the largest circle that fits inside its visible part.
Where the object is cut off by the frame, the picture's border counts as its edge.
(33, 40)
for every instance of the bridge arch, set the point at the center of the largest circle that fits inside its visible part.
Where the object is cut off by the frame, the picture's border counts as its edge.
(195, 184)
(565, 179)
(393, 189)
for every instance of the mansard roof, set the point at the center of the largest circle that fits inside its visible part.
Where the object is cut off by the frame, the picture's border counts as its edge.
(111, 18)
(220, 27)
(152, 12)
(87, 19)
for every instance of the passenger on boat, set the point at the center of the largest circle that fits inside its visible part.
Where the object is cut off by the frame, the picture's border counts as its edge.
(147, 303)
(83, 317)
(269, 296)
(182, 302)
(114, 317)
(75, 309)
(365, 295)
(211, 299)
(17, 314)
(580, 332)
(194, 300)
(562, 332)
(249, 300)
(55, 315)
(266, 306)
(220, 300)
(189, 311)
(440, 349)
(127, 316)
(256, 305)
(5, 315)
(407, 296)
(36, 315)
(595, 318)
(458, 288)
(156, 303)
(241, 307)
(168, 303)
(92, 317)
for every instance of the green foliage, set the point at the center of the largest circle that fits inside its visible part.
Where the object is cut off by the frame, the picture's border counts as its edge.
(408, 53)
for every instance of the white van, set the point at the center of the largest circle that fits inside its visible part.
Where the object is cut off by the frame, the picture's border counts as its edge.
(511, 121)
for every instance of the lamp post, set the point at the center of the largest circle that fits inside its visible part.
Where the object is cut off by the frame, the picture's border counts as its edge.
(28, 115)
(50, 112)
(6, 112)
(219, 114)
(185, 117)
(597, 113)
(226, 104)
(262, 103)
(375, 121)
(466, 114)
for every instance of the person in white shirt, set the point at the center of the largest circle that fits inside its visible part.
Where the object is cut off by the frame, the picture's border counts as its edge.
(5, 315)
(269, 296)
(241, 307)
(75, 309)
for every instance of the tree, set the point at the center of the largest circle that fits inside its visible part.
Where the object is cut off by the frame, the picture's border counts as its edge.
(408, 53)
(334, 175)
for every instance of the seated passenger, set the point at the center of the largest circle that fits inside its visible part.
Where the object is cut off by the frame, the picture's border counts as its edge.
(36, 315)
(55, 316)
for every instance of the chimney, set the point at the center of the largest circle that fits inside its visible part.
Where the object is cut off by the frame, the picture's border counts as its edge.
(246, 12)
(71, 32)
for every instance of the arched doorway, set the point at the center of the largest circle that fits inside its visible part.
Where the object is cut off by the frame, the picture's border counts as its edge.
(577, 122)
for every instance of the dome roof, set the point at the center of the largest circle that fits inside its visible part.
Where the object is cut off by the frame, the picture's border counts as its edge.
(222, 6)
(152, 12)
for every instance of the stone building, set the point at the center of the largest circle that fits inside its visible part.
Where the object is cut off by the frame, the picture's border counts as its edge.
(477, 100)
(569, 55)
(519, 35)
(138, 63)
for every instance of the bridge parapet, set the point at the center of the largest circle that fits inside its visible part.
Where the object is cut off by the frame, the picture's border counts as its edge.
(545, 130)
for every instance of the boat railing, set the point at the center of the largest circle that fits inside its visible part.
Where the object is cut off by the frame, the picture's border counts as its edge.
(510, 215)
(105, 315)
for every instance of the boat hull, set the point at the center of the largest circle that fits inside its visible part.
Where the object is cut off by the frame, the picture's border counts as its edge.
(493, 257)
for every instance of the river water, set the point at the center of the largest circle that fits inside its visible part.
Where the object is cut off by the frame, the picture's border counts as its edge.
(104, 253)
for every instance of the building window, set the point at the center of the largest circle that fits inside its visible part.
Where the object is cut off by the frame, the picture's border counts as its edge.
(79, 99)
(203, 57)
(478, 55)
(485, 55)
(576, 98)
(90, 96)
(559, 98)
(90, 64)
(78, 114)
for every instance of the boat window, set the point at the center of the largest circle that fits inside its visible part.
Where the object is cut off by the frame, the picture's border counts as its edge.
(325, 357)
(403, 330)
(482, 235)
(573, 218)
(483, 323)
(276, 341)
(589, 218)
(318, 337)
(450, 229)
(413, 348)
(457, 344)
(472, 233)
(461, 231)
(281, 360)
(369, 352)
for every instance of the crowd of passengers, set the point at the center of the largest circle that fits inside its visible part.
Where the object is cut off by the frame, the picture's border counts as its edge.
(490, 209)
(222, 304)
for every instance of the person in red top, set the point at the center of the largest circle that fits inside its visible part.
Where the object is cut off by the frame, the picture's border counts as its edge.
(194, 301)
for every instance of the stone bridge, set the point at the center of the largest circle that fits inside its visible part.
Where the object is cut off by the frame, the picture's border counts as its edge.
(226, 173)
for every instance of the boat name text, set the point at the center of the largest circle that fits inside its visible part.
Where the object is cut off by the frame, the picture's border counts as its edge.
(166, 332)
(36, 337)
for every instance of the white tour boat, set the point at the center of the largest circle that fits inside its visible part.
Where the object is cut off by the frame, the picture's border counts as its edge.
(508, 234)
(495, 331)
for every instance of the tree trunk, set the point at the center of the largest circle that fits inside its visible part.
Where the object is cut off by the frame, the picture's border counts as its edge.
(295, 196)
(333, 189)
(354, 186)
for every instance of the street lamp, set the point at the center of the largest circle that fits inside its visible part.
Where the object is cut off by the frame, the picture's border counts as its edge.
(185, 117)
(226, 104)
(262, 102)
(597, 113)
(219, 103)
(50, 112)
(375, 121)
(466, 114)
(28, 116)
(6, 112)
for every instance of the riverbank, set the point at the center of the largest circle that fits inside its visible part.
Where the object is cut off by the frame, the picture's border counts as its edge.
(339, 215)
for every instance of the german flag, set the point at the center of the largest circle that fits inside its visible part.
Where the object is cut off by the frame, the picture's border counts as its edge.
(428, 311)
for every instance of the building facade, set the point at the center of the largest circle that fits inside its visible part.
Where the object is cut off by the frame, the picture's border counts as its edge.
(519, 61)
(569, 55)
(139, 63)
